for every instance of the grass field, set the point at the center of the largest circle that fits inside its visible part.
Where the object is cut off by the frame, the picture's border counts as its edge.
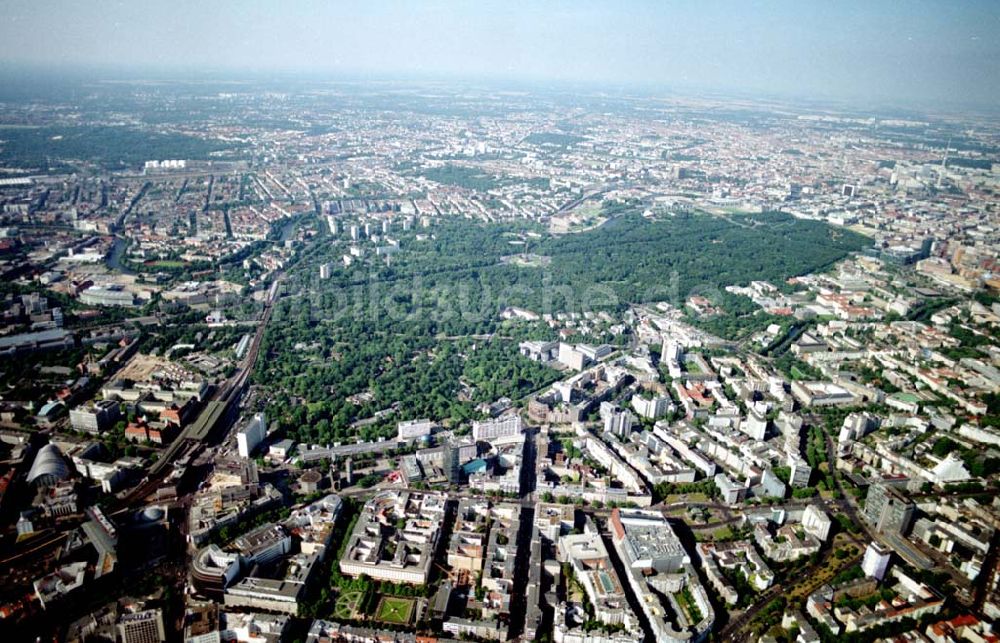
(798, 375)
(395, 610)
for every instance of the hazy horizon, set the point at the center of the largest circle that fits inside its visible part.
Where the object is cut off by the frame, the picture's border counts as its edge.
(923, 54)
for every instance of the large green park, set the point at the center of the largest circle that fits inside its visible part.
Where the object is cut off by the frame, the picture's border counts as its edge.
(423, 331)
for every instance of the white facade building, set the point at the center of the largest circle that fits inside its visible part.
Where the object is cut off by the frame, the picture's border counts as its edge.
(251, 435)
(876, 561)
(652, 408)
(507, 427)
(816, 522)
(413, 429)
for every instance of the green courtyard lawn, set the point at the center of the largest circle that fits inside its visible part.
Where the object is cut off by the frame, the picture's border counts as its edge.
(395, 610)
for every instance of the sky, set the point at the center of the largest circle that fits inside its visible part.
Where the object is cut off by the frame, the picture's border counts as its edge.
(909, 52)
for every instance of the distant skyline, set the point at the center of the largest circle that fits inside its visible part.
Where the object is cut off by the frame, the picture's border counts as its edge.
(911, 54)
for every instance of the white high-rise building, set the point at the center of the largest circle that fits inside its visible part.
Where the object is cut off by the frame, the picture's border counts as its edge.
(790, 428)
(501, 428)
(617, 421)
(670, 355)
(251, 435)
(756, 423)
(816, 522)
(670, 350)
(876, 561)
(652, 408)
(801, 471)
(324, 271)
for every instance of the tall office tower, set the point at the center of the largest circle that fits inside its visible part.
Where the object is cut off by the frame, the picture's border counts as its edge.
(887, 510)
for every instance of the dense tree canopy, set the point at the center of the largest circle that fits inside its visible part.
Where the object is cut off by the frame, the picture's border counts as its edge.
(412, 333)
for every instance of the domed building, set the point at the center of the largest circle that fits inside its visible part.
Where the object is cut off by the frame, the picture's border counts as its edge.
(48, 468)
(153, 513)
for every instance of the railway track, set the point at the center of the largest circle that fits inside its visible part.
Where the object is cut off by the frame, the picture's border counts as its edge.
(219, 407)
